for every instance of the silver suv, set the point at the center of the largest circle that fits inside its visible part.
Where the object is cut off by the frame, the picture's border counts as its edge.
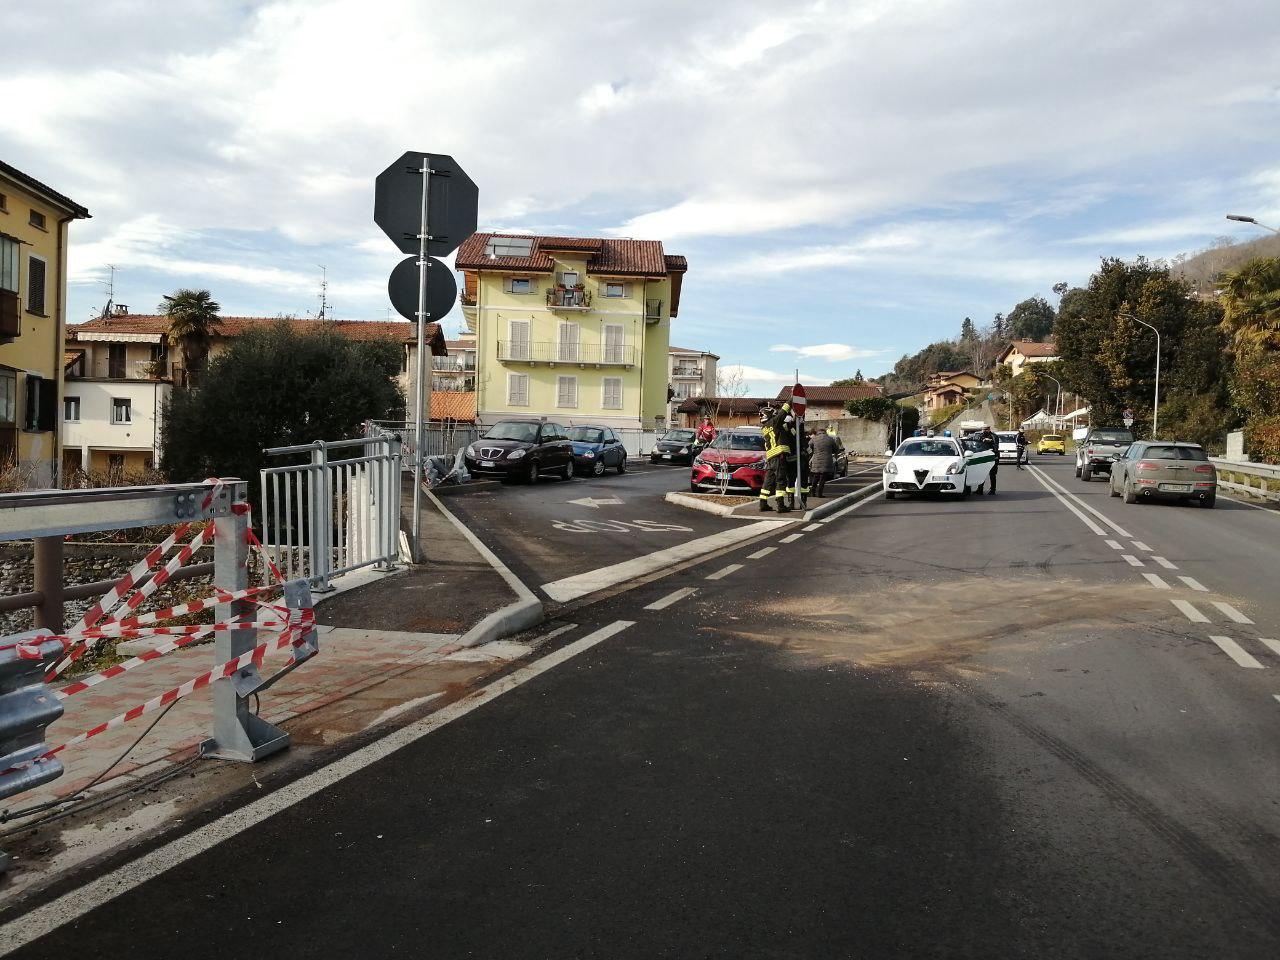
(1099, 449)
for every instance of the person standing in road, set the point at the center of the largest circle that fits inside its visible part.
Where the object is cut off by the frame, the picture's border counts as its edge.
(822, 462)
(1022, 449)
(989, 440)
(776, 445)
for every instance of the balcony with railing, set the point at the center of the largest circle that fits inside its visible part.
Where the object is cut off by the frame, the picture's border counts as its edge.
(568, 299)
(687, 371)
(462, 363)
(551, 352)
(652, 311)
(121, 369)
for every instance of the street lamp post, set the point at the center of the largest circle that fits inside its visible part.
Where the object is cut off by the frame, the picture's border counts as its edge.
(1155, 415)
(1242, 219)
(1057, 404)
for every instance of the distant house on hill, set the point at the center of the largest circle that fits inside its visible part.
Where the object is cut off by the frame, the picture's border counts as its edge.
(1019, 353)
(827, 403)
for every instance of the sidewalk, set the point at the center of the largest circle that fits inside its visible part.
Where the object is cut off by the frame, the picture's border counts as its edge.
(385, 647)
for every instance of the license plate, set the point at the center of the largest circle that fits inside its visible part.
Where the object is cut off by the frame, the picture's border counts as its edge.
(1176, 487)
(666, 456)
(486, 463)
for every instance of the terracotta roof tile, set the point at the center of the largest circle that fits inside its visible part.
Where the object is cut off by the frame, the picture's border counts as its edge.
(402, 331)
(854, 391)
(727, 406)
(608, 256)
(453, 405)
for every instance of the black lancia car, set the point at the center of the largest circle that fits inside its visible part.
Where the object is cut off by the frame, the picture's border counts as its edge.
(521, 450)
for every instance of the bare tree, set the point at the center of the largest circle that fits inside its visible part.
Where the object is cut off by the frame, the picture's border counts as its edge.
(730, 382)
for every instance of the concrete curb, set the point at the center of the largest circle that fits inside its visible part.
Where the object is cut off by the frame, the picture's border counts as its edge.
(817, 513)
(527, 611)
(719, 509)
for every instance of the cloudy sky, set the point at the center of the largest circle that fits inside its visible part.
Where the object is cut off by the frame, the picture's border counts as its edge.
(848, 179)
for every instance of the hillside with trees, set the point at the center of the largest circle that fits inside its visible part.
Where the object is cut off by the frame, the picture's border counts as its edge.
(1204, 270)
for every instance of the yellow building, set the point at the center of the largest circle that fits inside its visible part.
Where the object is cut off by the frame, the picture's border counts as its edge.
(571, 328)
(33, 316)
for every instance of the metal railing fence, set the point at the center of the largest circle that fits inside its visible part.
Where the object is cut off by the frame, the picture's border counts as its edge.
(330, 516)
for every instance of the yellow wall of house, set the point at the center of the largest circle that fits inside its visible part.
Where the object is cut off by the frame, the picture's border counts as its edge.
(39, 347)
(135, 461)
(644, 381)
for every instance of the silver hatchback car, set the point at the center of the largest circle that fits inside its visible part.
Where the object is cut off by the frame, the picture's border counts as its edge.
(1165, 470)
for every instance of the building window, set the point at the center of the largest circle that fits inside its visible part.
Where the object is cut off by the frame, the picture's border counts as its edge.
(115, 361)
(517, 389)
(566, 392)
(8, 398)
(35, 285)
(519, 347)
(570, 278)
(42, 400)
(614, 343)
(611, 393)
(570, 334)
(615, 289)
(8, 265)
(71, 409)
(519, 285)
(37, 219)
(121, 410)
(115, 462)
(4, 203)
(509, 247)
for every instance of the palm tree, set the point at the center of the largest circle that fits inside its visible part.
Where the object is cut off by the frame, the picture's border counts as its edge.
(1251, 304)
(193, 321)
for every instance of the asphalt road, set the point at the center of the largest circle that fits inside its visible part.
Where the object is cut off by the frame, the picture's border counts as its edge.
(962, 728)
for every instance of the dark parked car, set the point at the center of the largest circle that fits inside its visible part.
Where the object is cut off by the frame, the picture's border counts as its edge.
(596, 449)
(1165, 470)
(674, 446)
(521, 450)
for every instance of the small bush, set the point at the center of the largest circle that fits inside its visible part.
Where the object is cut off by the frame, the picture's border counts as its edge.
(1262, 439)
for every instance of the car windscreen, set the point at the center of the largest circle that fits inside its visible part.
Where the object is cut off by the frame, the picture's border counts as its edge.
(1176, 453)
(678, 436)
(586, 434)
(927, 448)
(738, 441)
(513, 430)
(1111, 436)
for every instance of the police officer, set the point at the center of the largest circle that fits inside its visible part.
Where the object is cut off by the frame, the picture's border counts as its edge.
(777, 441)
(992, 443)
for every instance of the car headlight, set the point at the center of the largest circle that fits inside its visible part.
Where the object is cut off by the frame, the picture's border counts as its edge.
(957, 467)
(890, 467)
(516, 454)
(471, 450)
(684, 449)
(588, 454)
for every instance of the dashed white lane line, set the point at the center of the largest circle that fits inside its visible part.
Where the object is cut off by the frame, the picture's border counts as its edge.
(761, 553)
(1231, 612)
(1101, 516)
(1156, 581)
(1114, 544)
(1237, 653)
(1141, 546)
(1165, 563)
(674, 597)
(721, 574)
(1270, 644)
(792, 538)
(1190, 611)
(1131, 560)
(1194, 584)
(812, 526)
(128, 876)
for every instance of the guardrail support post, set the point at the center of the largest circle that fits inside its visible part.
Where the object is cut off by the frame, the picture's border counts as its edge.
(48, 582)
(237, 733)
(321, 519)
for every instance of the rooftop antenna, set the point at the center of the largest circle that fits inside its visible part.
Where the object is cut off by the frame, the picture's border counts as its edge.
(110, 284)
(324, 293)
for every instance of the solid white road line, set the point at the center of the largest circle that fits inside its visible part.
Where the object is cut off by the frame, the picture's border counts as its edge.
(1069, 505)
(1097, 513)
(1231, 612)
(570, 588)
(1141, 546)
(792, 538)
(1165, 563)
(1133, 561)
(1190, 612)
(1156, 582)
(761, 553)
(1113, 544)
(1270, 644)
(76, 903)
(563, 628)
(1256, 506)
(674, 597)
(812, 527)
(1237, 653)
(853, 506)
(724, 571)
(1194, 584)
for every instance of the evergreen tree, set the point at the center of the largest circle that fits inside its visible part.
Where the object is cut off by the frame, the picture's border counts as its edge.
(968, 332)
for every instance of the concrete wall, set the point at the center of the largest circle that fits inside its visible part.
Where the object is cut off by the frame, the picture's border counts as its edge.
(858, 435)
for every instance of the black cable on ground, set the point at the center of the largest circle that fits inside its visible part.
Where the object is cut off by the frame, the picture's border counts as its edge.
(7, 815)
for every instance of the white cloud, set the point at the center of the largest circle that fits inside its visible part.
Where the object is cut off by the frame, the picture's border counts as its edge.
(831, 352)
(762, 381)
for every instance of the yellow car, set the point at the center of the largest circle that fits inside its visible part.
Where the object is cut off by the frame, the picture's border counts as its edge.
(1052, 443)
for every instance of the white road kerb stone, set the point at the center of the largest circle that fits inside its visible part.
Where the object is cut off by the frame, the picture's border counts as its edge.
(694, 502)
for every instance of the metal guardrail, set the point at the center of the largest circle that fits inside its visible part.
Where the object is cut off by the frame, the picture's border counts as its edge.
(1266, 475)
(331, 516)
(438, 439)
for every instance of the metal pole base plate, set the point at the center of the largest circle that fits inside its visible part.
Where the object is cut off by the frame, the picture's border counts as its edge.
(258, 739)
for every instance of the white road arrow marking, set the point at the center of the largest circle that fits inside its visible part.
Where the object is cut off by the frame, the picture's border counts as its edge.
(595, 502)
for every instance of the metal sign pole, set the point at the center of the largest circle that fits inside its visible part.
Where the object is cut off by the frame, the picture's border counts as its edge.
(421, 364)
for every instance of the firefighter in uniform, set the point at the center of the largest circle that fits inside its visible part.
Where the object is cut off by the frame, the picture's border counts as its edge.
(777, 442)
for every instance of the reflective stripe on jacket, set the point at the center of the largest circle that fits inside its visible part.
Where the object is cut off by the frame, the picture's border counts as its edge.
(772, 447)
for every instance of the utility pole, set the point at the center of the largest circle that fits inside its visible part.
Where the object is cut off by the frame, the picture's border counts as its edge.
(420, 366)
(324, 293)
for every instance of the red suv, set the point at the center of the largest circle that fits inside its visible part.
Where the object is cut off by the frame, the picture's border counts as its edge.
(734, 463)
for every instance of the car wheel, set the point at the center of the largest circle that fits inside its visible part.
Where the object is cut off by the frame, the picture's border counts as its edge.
(1077, 468)
(1112, 488)
(622, 465)
(693, 487)
(1129, 495)
(967, 490)
(1209, 501)
(890, 495)
(1062, 453)
(566, 472)
(597, 468)
(1086, 472)
(533, 473)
